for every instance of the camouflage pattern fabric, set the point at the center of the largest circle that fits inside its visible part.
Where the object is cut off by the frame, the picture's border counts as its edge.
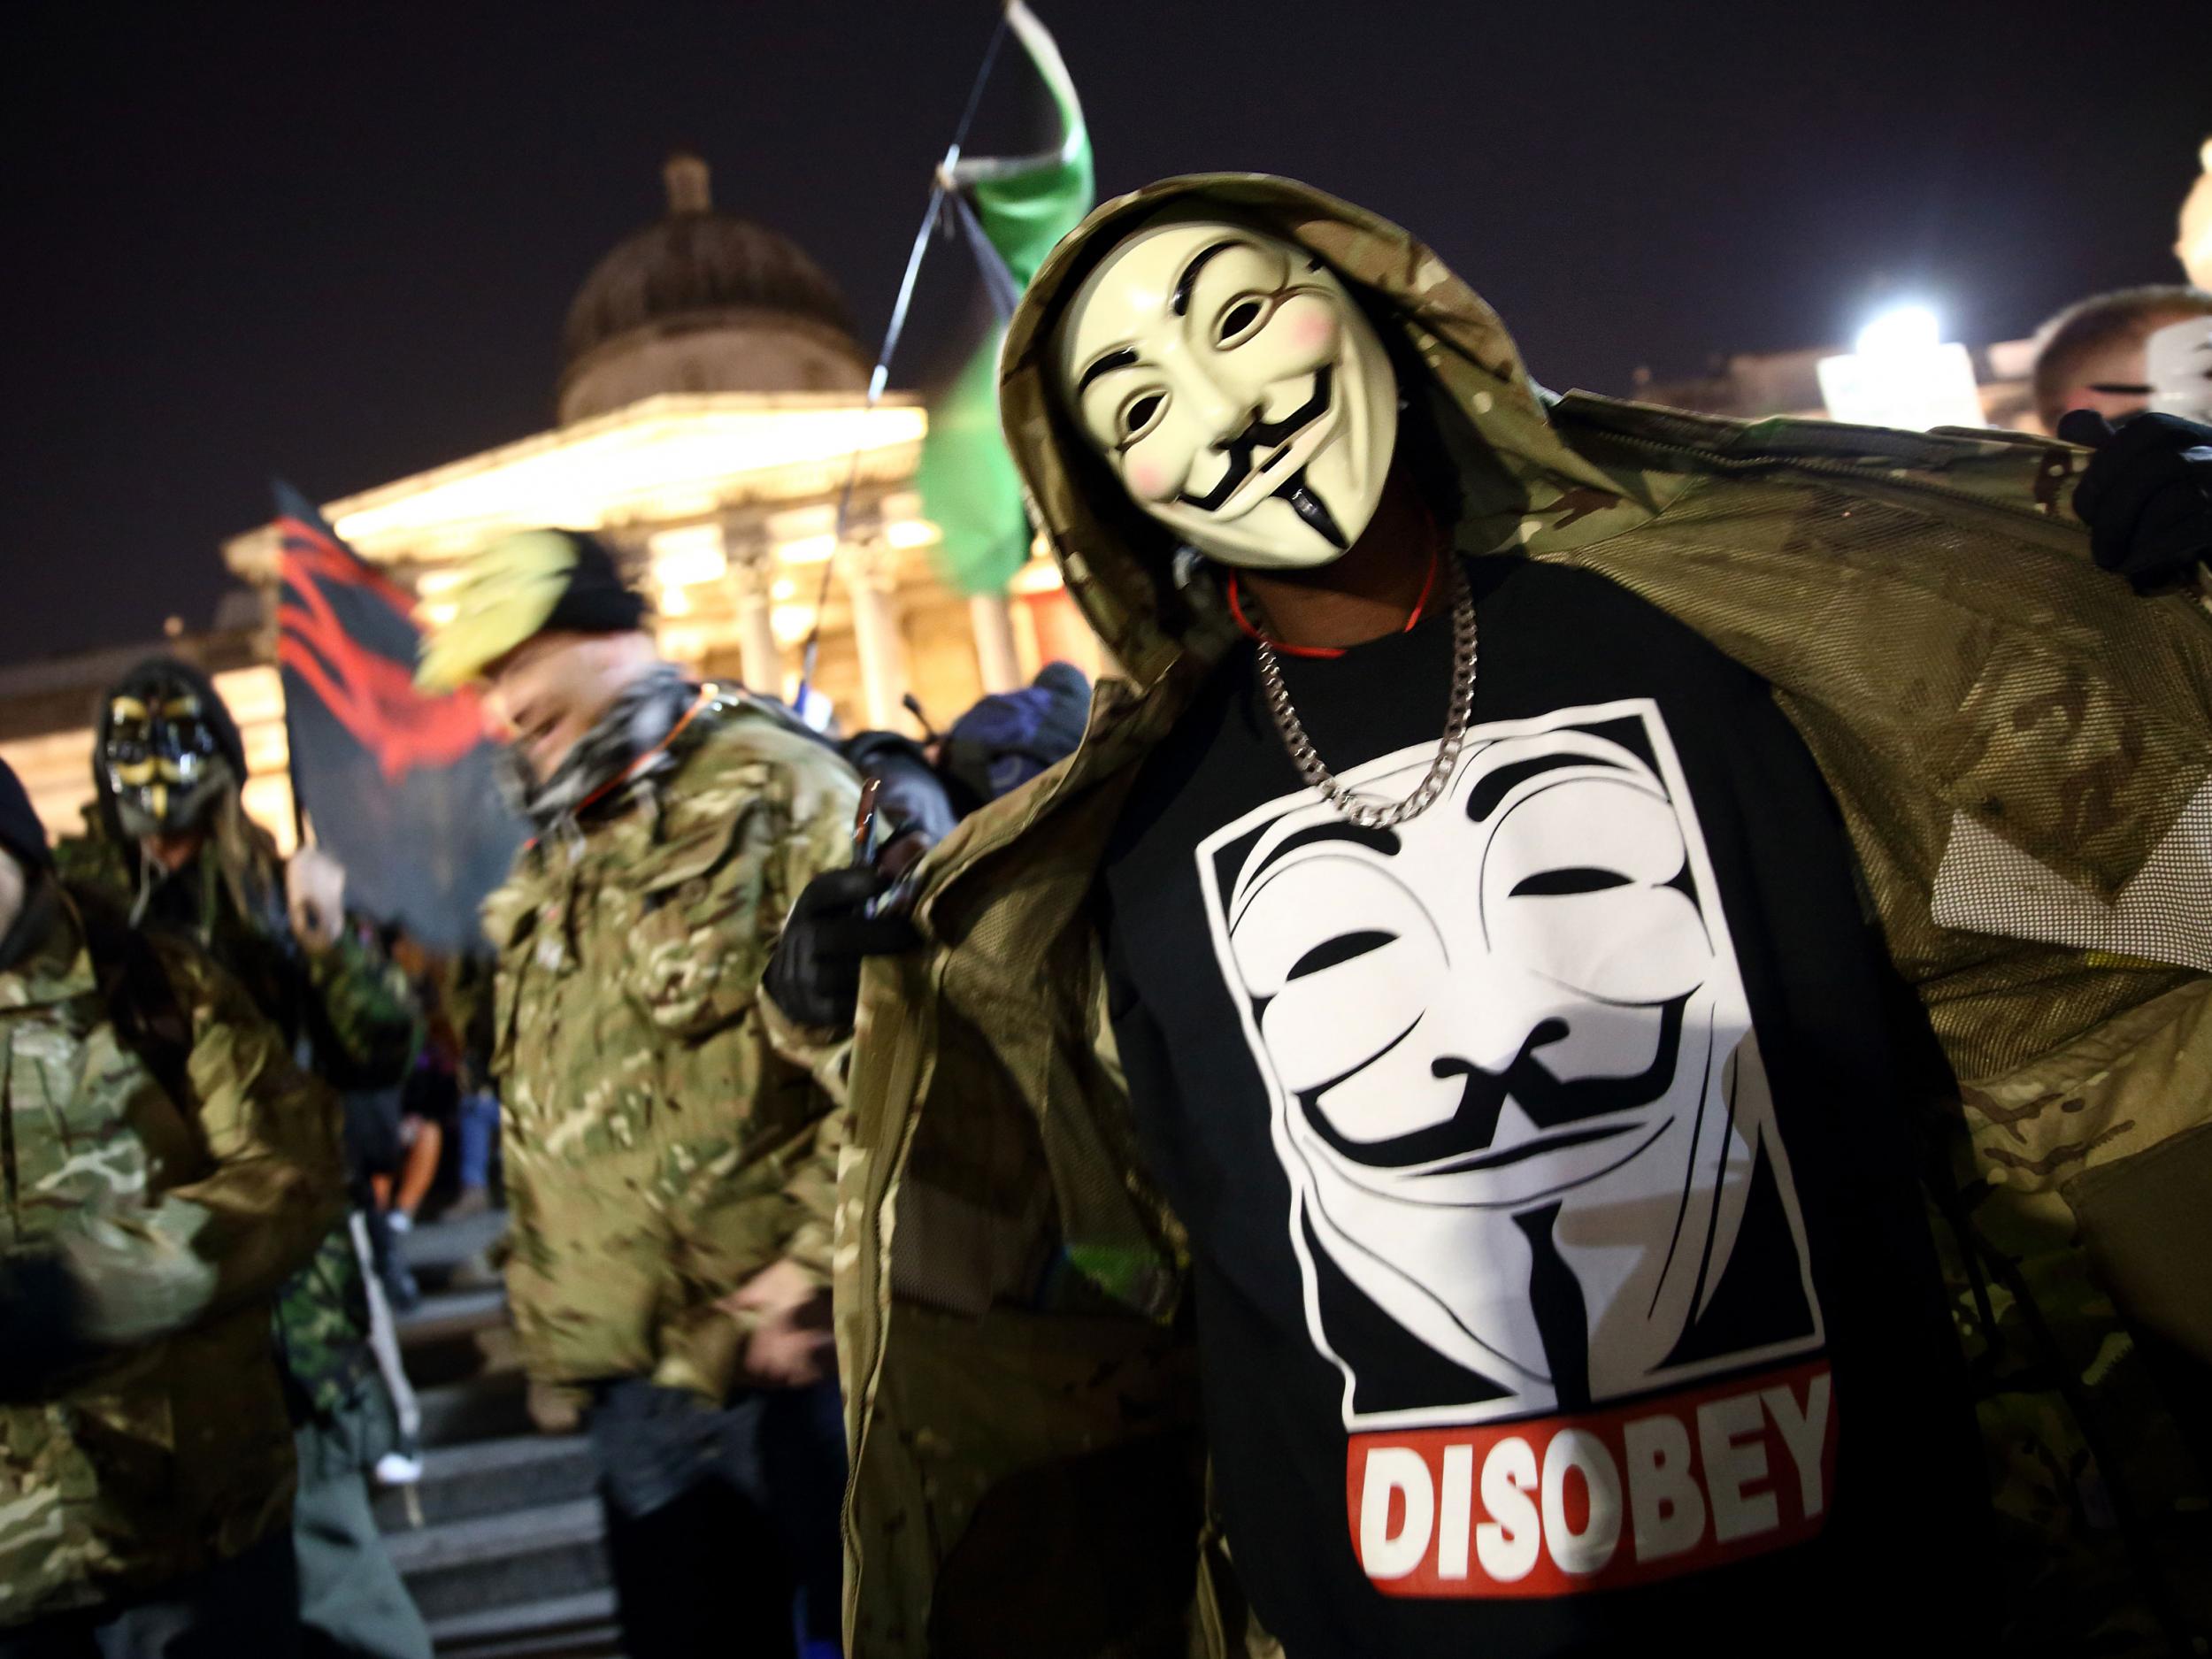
(182, 1218)
(1996, 718)
(657, 1153)
(347, 1008)
(322, 1322)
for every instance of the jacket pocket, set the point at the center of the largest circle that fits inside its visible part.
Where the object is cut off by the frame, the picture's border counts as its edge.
(700, 942)
(2148, 1230)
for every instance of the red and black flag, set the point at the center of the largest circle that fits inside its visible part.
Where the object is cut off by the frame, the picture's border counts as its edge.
(398, 783)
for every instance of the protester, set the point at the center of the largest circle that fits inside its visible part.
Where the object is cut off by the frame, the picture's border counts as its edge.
(2091, 357)
(1465, 1195)
(1012, 736)
(170, 838)
(167, 1168)
(666, 1181)
(430, 1105)
(478, 1134)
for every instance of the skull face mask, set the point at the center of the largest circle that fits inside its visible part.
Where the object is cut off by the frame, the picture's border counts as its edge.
(162, 758)
(1236, 390)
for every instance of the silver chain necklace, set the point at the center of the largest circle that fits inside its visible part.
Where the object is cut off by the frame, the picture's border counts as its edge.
(1364, 810)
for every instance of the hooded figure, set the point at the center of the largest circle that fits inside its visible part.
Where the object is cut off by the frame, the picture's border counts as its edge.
(1442, 1096)
(169, 838)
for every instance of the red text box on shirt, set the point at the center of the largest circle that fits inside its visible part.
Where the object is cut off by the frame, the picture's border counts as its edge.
(1553, 1506)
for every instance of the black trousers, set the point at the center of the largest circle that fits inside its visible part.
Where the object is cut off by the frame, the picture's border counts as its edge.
(249, 1604)
(722, 1523)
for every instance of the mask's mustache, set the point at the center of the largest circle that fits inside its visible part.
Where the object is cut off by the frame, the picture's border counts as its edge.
(1258, 434)
(1549, 1102)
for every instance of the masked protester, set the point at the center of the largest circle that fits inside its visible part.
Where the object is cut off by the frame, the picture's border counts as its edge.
(668, 1178)
(169, 838)
(1421, 1138)
(166, 1169)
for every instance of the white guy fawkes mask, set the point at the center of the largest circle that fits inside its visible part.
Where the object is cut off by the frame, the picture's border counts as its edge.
(2178, 363)
(1520, 1013)
(1241, 397)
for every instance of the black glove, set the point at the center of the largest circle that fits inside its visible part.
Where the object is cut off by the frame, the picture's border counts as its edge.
(42, 1323)
(814, 977)
(2146, 496)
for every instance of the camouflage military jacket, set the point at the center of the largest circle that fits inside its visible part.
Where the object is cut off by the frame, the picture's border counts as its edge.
(346, 1009)
(185, 1216)
(2020, 747)
(657, 1153)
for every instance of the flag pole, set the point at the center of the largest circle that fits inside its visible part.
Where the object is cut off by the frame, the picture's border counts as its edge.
(881, 375)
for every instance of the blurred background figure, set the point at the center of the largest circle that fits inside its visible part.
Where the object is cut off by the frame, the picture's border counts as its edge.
(1012, 736)
(168, 838)
(670, 1179)
(430, 1104)
(478, 1132)
(145, 1447)
(2090, 354)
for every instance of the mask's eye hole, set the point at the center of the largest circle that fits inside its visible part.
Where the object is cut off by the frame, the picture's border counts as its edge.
(1576, 878)
(1140, 415)
(1241, 318)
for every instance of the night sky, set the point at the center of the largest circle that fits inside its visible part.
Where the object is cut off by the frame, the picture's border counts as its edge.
(338, 243)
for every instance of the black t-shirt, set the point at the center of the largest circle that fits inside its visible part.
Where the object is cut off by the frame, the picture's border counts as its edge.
(1564, 1284)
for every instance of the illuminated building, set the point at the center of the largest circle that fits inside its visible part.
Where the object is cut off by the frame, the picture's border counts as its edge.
(712, 409)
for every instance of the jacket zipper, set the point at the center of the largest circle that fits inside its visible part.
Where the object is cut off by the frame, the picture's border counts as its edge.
(879, 1301)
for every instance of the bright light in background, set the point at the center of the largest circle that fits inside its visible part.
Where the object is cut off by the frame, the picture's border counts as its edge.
(1902, 375)
(688, 554)
(907, 533)
(813, 549)
(1899, 330)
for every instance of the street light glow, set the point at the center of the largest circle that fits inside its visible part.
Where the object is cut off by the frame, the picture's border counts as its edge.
(1900, 329)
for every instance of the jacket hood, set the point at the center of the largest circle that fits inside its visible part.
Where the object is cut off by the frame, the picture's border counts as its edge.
(1459, 371)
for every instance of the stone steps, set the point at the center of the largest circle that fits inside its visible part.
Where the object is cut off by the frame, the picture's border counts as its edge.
(494, 1406)
(501, 1543)
(522, 1472)
(502, 1560)
(578, 1626)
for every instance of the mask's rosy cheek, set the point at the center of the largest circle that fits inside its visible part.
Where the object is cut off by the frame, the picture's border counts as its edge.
(1307, 328)
(1149, 474)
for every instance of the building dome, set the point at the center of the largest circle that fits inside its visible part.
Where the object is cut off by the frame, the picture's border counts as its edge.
(703, 301)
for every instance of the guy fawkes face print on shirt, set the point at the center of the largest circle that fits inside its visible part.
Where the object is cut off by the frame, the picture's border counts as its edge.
(1514, 1081)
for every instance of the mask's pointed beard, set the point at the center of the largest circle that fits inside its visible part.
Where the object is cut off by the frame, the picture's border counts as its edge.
(1308, 507)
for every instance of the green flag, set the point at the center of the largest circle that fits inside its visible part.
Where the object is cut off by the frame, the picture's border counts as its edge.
(1014, 208)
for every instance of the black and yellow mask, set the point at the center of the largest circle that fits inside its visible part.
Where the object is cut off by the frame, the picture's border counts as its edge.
(162, 756)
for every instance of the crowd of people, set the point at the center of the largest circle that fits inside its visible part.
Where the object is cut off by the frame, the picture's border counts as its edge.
(1604, 1037)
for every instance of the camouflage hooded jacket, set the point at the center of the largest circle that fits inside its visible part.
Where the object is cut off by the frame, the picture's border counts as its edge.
(183, 1216)
(657, 1153)
(2023, 754)
(345, 1010)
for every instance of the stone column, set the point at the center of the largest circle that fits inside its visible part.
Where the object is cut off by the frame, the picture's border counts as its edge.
(991, 617)
(754, 580)
(884, 676)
